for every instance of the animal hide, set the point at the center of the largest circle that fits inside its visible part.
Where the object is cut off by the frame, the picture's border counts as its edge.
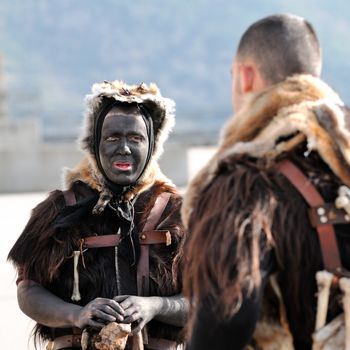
(277, 120)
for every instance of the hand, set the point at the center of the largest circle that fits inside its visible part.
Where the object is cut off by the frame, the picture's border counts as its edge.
(138, 309)
(98, 312)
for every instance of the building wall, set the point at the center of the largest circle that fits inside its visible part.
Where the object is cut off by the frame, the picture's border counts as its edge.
(28, 164)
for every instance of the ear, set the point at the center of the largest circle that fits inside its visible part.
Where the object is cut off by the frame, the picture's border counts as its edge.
(247, 77)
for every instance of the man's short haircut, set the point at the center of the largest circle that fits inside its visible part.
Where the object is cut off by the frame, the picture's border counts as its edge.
(281, 45)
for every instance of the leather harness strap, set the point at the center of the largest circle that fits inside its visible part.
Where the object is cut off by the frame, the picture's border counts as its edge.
(328, 214)
(326, 233)
(69, 197)
(100, 241)
(155, 237)
(145, 239)
(148, 235)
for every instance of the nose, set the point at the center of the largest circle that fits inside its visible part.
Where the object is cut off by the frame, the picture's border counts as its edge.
(124, 148)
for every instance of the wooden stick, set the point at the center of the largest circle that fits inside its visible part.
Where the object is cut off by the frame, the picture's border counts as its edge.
(76, 294)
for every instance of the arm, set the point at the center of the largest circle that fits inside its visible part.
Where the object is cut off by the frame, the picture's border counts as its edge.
(47, 309)
(171, 310)
(216, 333)
(211, 333)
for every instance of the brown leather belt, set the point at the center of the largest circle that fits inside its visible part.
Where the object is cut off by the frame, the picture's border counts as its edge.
(65, 341)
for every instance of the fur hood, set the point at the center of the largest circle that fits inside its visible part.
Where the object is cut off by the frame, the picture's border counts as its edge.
(277, 120)
(161, 111)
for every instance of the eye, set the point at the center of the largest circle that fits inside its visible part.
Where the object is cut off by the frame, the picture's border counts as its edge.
(112, 138)
(136, 138)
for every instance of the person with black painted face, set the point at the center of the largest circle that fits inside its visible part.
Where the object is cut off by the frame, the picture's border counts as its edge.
(102, 251)
(124, 144)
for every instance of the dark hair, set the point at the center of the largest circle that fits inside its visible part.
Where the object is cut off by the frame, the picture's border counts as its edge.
(282, 45)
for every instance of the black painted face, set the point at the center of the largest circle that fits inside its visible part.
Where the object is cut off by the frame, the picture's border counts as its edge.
(124, 145)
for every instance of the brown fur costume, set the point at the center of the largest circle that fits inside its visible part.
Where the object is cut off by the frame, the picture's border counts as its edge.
(44, 251)
(240, 199)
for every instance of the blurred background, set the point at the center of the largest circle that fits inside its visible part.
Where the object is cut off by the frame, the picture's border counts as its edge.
(51, 52)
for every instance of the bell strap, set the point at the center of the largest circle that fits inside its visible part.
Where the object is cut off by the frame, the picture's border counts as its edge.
(326, 233)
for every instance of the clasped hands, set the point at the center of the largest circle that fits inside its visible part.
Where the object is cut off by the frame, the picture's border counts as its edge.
(121, 309)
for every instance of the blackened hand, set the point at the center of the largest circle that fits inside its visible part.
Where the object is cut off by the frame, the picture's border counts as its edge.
(98, 312)
(140, 310)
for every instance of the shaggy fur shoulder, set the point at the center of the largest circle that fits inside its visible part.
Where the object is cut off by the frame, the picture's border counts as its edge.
(86, 171)
(277, 120)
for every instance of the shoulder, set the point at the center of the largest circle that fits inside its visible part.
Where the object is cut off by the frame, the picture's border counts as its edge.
(171, 195)
(51, 204)
(56, 199)
(148, 198)
(169, 209)
(38, 228)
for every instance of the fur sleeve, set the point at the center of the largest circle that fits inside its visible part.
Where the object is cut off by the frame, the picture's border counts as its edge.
(38, 251)
(230, 228)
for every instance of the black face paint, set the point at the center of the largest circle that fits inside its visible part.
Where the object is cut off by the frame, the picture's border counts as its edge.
(123, 147)
(115, 182)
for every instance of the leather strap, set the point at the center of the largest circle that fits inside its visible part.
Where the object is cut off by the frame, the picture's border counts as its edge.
(155, 237)
(69, 197)
(65, 341)
(328, 214)
(147, 237)
(326, 233)
(151, 223)
(101, 241)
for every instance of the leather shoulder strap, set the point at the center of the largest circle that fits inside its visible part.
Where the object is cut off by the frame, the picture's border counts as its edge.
(157, 211)
(326, 233)
(69, 197)
(151, 223)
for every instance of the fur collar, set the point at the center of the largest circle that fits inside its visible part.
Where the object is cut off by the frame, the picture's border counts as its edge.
(162, 113)
(277, 120)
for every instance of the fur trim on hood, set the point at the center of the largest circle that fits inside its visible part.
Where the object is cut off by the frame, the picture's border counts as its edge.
(277, 120)
(161, 111)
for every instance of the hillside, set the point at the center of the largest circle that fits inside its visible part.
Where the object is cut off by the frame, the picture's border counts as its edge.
(54, 50)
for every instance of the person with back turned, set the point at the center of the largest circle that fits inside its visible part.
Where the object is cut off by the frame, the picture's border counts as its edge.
(269, 209)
